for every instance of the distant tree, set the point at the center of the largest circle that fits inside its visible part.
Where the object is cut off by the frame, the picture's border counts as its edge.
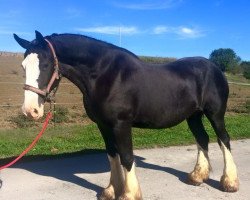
(225, 59)
(245, 65)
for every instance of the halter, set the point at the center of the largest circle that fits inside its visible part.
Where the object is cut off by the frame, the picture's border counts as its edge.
(45, 93)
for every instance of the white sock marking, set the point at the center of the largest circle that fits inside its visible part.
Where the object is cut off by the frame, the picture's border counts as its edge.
(202, 167)
(117, 177)
(230, 169)
(132, 187)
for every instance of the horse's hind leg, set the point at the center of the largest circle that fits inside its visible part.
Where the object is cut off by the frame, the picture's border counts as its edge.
(229, 180)
(202, 167)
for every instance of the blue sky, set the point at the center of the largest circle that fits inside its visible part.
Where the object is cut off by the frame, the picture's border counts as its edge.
(171, 28)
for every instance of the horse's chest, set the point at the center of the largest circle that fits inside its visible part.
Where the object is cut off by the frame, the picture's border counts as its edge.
(89, 108)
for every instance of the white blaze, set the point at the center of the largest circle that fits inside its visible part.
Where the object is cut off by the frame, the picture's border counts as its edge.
(33, 104)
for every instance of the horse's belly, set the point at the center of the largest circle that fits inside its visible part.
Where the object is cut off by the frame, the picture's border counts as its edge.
(156, 124)
(164, 117)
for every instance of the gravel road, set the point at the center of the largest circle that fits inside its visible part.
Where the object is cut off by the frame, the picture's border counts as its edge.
(162, 174)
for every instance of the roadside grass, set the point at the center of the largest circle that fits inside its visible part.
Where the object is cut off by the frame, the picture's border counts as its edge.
(68, 139)
(237, 78)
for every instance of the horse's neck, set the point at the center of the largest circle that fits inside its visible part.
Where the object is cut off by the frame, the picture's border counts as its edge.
(74, 50)
(76, 75)
(74, 64)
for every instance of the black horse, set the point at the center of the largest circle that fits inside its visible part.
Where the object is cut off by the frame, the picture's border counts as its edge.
(120, 92)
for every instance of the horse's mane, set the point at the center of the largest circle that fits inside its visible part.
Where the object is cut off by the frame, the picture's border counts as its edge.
(91, 39)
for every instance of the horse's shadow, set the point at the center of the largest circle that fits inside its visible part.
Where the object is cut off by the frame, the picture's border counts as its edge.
(65, 166)
(182, 176)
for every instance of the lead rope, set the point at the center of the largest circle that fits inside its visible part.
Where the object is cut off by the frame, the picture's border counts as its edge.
(52, 108)
(45, 124)
(54, 111)
(53, 102)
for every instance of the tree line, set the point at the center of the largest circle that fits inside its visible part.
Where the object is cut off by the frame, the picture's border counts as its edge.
(228, 61)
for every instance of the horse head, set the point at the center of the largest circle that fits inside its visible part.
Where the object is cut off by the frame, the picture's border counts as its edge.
(39, 65)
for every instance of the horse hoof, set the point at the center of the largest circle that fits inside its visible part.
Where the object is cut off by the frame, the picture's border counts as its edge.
(103, 197)
(192, 179)
(107, 194)
(229, 185)
(129, 197)
(124, 197)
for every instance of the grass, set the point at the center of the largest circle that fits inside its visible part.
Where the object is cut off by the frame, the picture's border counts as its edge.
(66, 139)
(156, 60)
(237, 78)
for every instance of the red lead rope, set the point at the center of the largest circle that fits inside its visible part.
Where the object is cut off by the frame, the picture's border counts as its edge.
(45, 124)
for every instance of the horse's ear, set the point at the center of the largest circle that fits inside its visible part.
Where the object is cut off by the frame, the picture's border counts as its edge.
(23, 43)
(40, 39)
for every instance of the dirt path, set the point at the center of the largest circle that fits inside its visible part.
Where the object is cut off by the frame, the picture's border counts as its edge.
(162, 174)
(239, 83)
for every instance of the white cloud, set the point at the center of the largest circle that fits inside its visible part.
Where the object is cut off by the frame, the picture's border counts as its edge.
(160, 30)
(111, 30)
(179, 32)
(148, 4)
(183, 32)
(186, 32)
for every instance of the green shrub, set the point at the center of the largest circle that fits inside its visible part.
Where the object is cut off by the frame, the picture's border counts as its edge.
(225, 58)
(245, 65)
(61, 114)
(236, 70)
(246, 73)
(21, 121)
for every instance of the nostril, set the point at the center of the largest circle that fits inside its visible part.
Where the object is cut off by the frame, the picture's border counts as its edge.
(35, 111)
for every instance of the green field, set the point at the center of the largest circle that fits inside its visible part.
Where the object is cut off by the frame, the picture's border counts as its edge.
(66, 139)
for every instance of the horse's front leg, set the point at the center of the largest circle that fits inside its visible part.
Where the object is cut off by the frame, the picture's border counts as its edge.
(116, 184)
(123, 137)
